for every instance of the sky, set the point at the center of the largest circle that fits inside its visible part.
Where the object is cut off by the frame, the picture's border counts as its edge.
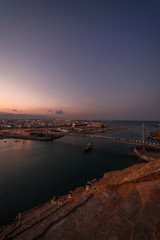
(80, 59)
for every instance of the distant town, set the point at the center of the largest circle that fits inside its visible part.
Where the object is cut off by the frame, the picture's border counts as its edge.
(40, 123)
(42, 129)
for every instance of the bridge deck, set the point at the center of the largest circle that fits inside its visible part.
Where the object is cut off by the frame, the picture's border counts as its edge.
(113, 139)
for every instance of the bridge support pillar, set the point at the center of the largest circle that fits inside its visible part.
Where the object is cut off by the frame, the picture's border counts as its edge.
(143, 136)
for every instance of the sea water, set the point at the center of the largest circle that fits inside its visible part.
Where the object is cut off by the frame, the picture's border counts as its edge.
(32, 172)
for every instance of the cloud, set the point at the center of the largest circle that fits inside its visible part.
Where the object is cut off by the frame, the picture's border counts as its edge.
(14, 110)
(50, 110)
(59, 112)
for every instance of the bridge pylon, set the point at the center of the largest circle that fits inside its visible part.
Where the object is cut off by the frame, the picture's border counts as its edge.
(143, 136)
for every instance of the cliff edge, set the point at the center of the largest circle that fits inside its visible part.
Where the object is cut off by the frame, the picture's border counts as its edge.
(123, 205)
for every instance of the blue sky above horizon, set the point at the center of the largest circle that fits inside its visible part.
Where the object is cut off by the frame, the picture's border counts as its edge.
(82, 59)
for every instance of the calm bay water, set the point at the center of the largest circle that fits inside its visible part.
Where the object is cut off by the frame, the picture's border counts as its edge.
(33, 172)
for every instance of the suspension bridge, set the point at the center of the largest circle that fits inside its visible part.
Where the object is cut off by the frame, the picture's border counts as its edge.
(131, 141)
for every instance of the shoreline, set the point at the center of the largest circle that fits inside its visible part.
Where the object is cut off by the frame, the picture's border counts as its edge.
(20, 137)
(40, 134)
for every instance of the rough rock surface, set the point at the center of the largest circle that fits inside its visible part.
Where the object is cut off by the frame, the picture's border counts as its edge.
(156, 134)
(123, 205)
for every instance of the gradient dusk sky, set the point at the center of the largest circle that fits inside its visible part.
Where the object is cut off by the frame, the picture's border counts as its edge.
(81, 59)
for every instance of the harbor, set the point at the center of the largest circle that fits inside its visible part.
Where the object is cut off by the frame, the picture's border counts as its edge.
(43, 169)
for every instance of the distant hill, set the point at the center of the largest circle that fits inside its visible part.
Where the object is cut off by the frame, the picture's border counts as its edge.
(4, 115)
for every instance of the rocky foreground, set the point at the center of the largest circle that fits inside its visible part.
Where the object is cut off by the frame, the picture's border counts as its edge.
(155, 135)
(122, 205)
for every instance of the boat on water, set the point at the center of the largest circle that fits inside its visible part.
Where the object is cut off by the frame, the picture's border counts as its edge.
(88, 147)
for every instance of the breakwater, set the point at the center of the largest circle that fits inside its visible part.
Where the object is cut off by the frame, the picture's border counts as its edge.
(147, 153)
